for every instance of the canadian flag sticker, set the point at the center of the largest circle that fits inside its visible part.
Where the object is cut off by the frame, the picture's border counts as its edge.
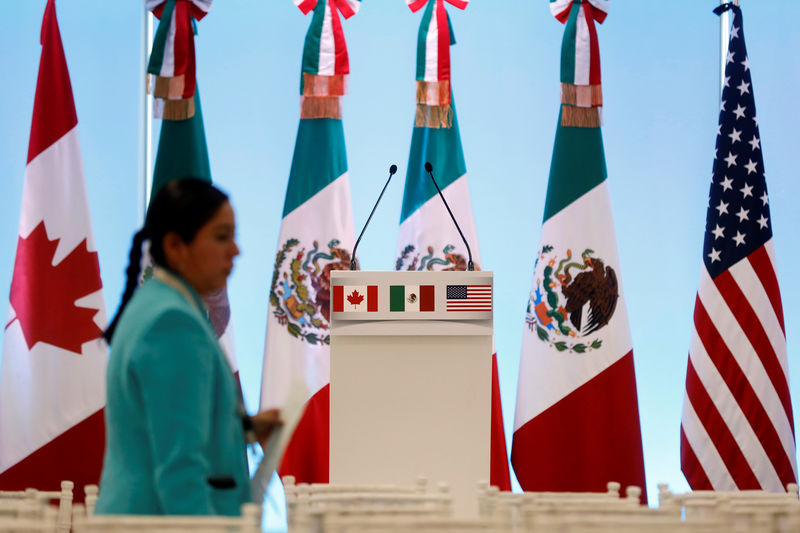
(355, 298)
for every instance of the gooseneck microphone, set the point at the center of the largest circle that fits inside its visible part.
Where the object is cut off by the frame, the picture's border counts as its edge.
(429, 168)
(392, 170)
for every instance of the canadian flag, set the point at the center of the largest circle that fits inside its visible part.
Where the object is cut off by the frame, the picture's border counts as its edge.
(52, 377)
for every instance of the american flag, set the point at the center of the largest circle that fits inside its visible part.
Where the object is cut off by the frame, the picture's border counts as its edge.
(469, 297)
(737, 429)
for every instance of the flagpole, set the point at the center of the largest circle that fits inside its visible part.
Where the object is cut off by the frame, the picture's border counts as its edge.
(724, 34)
(145, 121)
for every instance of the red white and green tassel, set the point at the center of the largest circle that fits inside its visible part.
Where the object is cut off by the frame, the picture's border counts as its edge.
(172, 61)
(434, 109)
(325, 61)
(581, 88)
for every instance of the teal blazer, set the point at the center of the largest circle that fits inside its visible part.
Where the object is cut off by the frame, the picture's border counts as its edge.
(174, 438)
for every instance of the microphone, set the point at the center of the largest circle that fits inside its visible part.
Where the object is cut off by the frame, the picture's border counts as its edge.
(429, 168)
(392, 170)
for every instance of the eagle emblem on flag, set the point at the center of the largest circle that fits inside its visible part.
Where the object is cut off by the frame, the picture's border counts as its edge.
(572, 299)
(412, 259)
(300, 294)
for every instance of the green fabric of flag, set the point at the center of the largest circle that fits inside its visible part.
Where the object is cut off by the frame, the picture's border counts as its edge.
(442, 148)
(397, 298)
(182, 150)
(578, 165)
(312, 168)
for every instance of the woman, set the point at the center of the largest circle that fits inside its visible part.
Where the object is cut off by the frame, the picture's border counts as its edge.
(174, 435)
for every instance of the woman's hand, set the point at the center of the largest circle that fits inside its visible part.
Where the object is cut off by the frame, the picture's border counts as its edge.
(264, 422)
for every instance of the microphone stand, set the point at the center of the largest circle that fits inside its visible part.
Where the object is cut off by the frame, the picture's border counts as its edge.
(353, 266)
(429, 168)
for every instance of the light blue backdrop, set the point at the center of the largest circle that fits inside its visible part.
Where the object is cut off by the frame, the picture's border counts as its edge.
(660, 64)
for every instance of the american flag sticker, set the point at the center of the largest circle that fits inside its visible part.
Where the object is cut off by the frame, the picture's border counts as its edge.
(469, 297)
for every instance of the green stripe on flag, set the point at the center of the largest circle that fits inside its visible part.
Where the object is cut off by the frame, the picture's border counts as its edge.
(319, 158)
(568, 47)
(159, 43)
(422, 40)
(450, 27)
(313, 39)
(440, 146)
(182, 150)
(578, 165)
(397, 298)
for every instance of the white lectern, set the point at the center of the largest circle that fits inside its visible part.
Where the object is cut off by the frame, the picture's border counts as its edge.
(411, 370)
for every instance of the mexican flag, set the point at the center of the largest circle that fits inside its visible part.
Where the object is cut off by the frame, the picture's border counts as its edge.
(183, 152)
(182, 148)
(412, 298)
(577, 419)
(316, 238)
(52, 377)
(428, 240)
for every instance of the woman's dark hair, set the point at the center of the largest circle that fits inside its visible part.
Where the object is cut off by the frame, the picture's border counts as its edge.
(182, 206)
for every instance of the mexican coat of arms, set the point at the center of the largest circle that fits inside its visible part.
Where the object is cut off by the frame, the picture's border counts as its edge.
(572, 299)
(300, 291)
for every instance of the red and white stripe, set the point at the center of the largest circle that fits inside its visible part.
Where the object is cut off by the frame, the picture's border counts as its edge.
(333, 58)
(437, 64)
(737, 429)
(437, 41)
(587, 49)
(587, 53)
(179, 55)
(168, 69)
(332, 34)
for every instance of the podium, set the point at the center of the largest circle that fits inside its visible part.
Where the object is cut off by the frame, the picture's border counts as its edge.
(410, 377)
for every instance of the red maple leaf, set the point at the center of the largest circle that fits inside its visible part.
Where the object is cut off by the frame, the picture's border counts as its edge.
(355, 298)
(43, 296)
